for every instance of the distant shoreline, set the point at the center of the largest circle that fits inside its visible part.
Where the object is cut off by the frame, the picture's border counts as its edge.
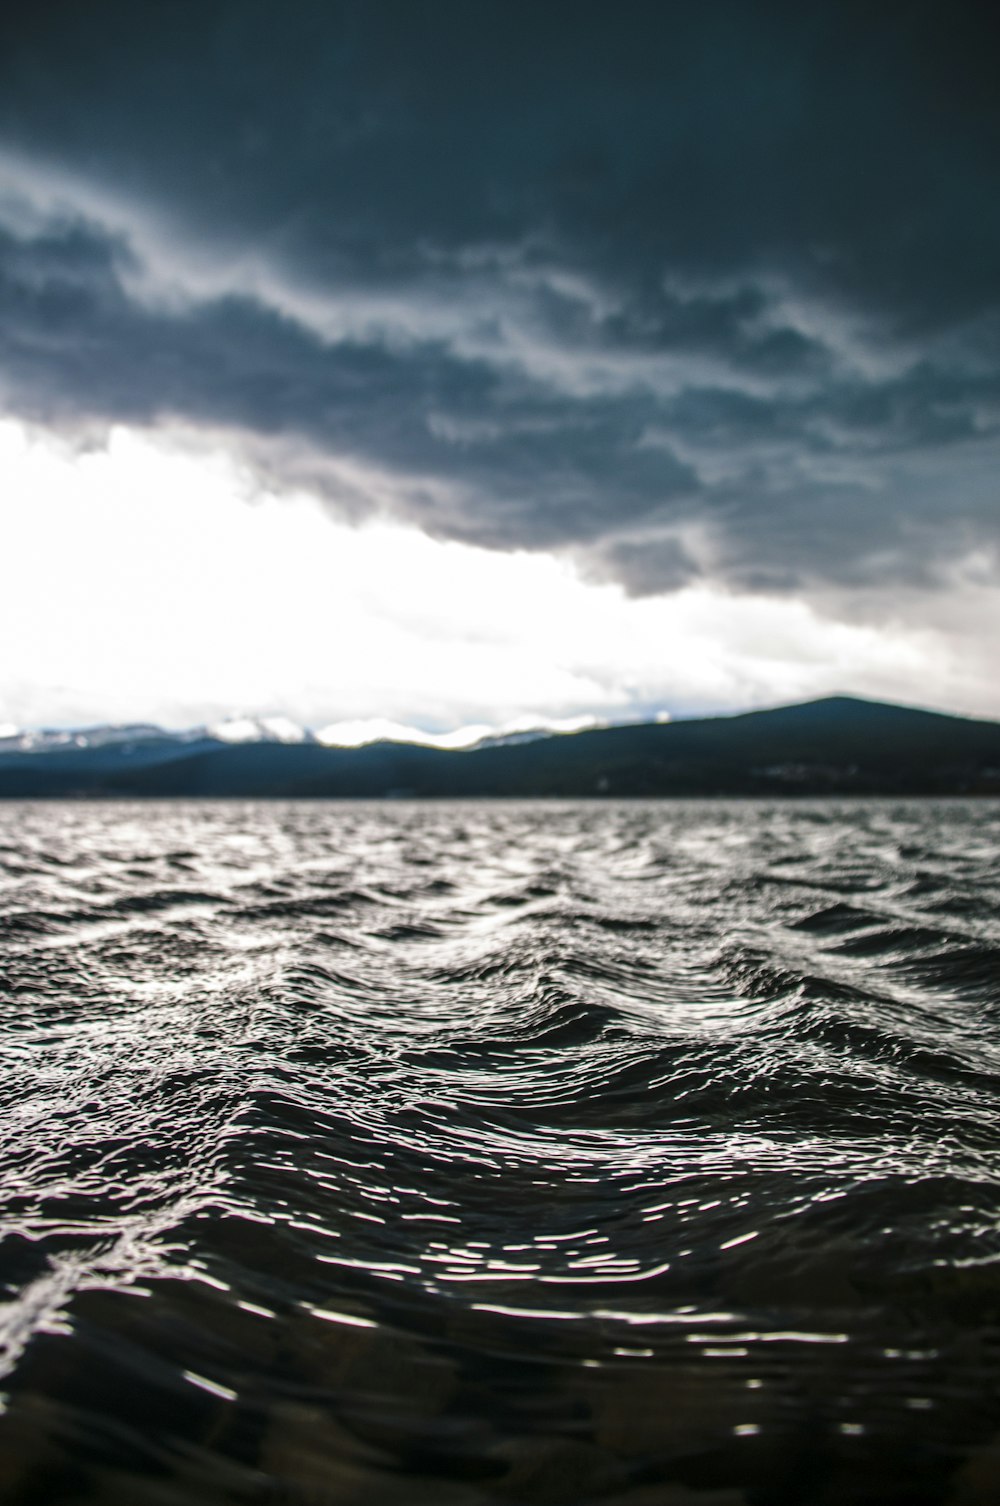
(840, 747)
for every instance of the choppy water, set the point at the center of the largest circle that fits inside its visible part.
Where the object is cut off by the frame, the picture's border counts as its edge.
(553, 1153)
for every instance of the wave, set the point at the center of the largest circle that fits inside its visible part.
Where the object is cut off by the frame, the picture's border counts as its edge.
(470, 1153)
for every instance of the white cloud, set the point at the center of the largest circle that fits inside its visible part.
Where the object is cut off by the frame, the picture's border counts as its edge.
(138, 582)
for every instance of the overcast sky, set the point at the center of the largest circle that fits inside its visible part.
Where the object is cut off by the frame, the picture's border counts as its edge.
(463, 362)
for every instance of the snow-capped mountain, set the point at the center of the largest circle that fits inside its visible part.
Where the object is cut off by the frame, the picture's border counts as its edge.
(242, 729)
(357, 733)
(50, 740)
(258, 729)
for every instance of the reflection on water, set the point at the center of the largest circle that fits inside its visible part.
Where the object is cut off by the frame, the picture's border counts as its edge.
(553, 1153)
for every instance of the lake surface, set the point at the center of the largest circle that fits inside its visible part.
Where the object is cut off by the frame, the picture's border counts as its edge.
(448, 1154)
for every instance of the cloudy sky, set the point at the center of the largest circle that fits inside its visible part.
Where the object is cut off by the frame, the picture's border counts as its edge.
(473, 363)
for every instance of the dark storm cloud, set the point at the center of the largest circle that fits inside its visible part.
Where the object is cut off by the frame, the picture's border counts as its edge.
(75, 346)
(700, 289)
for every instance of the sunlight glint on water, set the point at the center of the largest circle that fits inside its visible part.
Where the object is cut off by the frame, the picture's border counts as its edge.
(493, 1152)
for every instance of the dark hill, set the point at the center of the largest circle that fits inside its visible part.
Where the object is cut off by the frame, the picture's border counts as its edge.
(840, 745)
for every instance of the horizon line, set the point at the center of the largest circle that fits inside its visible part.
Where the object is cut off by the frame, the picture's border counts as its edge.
(278, 728)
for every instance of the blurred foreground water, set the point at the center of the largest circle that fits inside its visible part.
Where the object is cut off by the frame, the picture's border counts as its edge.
(450, 1154)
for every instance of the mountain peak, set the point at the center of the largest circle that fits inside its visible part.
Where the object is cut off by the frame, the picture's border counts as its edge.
(838, 745)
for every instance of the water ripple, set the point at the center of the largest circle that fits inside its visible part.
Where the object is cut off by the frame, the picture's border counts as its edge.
(459, 1153)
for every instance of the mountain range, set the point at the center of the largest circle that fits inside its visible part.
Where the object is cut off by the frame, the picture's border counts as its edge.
(840, 745)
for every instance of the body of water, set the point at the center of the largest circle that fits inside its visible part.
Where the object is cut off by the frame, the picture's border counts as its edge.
(449, 1154)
